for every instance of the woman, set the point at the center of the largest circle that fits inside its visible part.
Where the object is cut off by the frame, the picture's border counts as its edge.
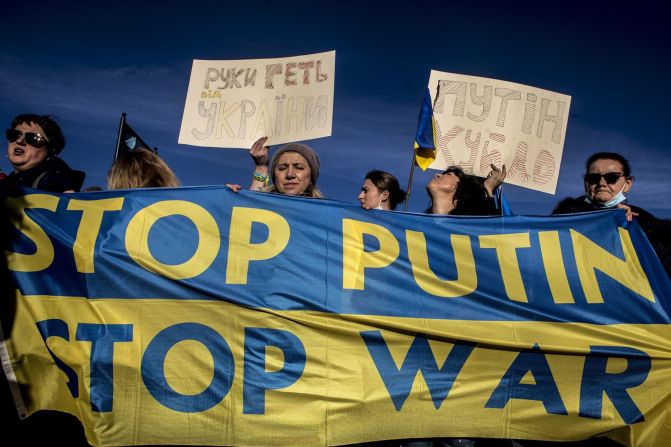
(607, 179)
(380, 190)
(456, 193)
(34, 143)
(294, 170)
(140, 168)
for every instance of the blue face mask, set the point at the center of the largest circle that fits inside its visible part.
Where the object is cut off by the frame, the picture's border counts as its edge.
(619, 198)
(616, 200)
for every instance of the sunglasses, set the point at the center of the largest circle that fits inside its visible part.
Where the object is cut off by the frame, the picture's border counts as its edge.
(610, 177)
(34, 139)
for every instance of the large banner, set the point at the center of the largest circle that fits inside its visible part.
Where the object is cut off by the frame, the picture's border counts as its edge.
(479, 121)
(200, 316)
(233, 103)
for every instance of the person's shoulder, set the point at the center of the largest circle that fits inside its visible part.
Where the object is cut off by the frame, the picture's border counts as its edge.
(641, 212)
(60, 177)
(649, 222)
(571, 205)
(57, 164)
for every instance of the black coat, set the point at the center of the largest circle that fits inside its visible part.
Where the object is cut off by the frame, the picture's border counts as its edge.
(53, 175)
(657, 230)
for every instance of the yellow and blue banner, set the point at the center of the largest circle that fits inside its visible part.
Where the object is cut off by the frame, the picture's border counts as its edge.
(198, 316)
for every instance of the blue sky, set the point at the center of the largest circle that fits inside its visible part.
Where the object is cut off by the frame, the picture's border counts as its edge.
(87, 63)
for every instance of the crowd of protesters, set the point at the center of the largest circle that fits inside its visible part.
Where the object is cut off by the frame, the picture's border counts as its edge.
(36, 141)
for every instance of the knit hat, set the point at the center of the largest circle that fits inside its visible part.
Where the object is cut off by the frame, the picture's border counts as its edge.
(306, 151)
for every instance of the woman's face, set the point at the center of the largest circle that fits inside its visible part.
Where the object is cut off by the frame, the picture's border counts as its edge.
(445, 183)
(292, 174)
(371, 196)
(598, 176)
(22, 155)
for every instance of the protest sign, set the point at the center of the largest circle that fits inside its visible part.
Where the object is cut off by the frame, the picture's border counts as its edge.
(479, 121)
(233, 103)
(199, 316)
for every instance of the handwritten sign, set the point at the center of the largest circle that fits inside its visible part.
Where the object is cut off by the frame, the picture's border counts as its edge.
(233, 103)
(480, 121)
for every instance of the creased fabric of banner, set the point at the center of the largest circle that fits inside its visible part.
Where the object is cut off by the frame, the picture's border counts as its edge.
(198, 316)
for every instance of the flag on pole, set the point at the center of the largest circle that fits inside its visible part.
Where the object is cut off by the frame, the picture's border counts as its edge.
(128, 140)
(425, 146)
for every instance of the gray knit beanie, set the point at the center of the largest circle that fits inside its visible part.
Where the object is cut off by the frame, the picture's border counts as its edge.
(306, 151)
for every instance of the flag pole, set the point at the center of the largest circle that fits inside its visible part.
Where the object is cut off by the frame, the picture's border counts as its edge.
(118, 138)
(409, 187)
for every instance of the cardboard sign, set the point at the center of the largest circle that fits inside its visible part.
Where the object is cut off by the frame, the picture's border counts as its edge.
(233, 103)
(480, 121)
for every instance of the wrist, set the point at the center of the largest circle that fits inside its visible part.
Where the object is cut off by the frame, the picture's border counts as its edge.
(261, 176)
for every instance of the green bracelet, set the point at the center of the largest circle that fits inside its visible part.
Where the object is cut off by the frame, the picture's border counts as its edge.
(260, 177)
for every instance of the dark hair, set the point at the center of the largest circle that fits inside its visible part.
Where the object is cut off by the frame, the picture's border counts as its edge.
(469, 195)
(385, 181)
(609, 156)
(51, 129)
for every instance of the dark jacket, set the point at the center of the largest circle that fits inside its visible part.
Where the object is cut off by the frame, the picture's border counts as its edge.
(485, 206)
(482, 206)
(53, 175)
(657, 230)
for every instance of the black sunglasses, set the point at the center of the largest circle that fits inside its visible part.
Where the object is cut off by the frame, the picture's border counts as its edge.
(32, 138)
(610, 177)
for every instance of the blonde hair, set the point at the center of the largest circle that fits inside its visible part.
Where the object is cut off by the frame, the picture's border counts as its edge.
(140, 168)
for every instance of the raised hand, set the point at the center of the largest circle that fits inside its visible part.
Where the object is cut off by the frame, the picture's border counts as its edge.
(259, 152)
(494, 179)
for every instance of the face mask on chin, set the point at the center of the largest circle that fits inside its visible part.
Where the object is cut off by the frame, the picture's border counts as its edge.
(379, 205)
(616, 200)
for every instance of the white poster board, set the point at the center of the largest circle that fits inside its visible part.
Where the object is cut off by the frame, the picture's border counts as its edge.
(233, 103)
(480, 121)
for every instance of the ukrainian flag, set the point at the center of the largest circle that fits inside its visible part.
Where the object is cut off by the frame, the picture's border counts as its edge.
(425, 146)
